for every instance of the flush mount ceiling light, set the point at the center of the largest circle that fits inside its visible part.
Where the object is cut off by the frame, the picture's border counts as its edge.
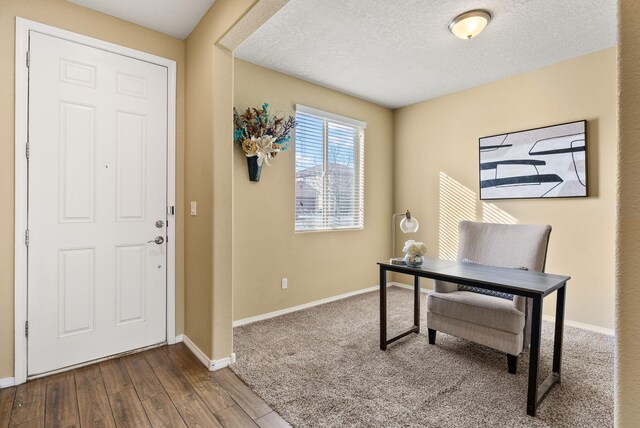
(469, 24)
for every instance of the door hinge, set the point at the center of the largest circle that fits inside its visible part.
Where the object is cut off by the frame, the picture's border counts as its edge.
(171, 210)
(28, 59)
(26, 329)
(26, 237)
(27, 150)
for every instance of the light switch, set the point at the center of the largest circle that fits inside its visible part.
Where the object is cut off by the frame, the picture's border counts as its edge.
(194, 208)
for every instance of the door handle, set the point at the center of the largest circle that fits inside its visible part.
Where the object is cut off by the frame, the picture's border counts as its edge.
(158, 240)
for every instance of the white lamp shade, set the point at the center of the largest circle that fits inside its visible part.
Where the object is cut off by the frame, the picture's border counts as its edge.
(469, 24)
(409, 225)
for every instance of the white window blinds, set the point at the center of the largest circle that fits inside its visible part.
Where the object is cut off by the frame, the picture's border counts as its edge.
(329, 171)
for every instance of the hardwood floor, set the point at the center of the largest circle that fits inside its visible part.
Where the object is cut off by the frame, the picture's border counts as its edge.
(161, 387)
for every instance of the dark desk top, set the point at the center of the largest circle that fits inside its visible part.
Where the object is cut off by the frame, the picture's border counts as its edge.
(513, 281)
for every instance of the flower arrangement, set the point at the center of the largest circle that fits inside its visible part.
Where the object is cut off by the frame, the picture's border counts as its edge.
(414, 252)
(261, 135)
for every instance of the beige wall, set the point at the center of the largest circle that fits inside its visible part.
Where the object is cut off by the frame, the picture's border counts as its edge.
(436, 171)
(581, 88)
(628, 231)
(317, 265)
(209, 180)
(68, 16)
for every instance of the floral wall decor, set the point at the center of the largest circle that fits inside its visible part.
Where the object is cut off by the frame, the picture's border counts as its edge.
(261, 136)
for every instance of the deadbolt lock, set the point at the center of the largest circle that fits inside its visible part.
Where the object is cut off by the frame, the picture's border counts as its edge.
(159, 224)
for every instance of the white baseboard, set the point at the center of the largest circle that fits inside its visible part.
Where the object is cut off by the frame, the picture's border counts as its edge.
(211, 365)
(179, 338)
(7, 382)
(250, 320)
(222, 363)
(576, 324)
(196, 351)
(583, 326)
(408, 287)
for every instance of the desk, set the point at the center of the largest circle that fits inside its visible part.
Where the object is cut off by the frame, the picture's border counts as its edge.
(536, 285)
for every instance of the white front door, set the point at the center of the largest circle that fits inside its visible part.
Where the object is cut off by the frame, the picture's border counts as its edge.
(97, 194)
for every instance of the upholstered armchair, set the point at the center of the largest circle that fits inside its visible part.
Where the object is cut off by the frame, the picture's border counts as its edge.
(497, 320)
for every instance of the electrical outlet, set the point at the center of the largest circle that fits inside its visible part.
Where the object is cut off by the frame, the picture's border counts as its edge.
(283, 283)
(194, 208)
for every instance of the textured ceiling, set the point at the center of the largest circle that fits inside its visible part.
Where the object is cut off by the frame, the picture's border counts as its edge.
(396, 53)
(173, 17)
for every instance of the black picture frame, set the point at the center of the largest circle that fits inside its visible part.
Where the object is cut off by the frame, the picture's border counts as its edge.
(537, 163)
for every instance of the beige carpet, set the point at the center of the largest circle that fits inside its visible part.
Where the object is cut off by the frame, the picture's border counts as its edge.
(322, 367)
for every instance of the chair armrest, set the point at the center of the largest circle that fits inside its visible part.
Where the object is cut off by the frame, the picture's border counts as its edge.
(520, 303)
(525, 305)
(444, 287)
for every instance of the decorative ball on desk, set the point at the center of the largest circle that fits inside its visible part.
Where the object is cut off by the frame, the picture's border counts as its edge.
(414, 253)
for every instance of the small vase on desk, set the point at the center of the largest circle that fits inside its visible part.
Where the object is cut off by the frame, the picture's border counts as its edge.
(413, 261)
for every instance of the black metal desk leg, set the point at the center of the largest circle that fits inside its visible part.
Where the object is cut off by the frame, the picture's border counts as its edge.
(557, 338)
(534, 356)
(383, 308)
(416, 303)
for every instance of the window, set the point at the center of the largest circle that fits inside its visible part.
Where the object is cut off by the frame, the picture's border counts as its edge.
(329, 171)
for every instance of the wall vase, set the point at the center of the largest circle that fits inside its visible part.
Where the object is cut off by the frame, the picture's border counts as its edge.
(254, 169)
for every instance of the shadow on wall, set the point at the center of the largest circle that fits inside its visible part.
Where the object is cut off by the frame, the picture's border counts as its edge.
(458, 203)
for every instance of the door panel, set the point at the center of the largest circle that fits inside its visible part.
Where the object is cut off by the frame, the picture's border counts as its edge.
(77, 165)
(76, 284)
(130, 166)
(130, 277)
(97, 185)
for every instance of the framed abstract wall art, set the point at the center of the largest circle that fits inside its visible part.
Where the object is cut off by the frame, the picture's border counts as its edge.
(547, 162)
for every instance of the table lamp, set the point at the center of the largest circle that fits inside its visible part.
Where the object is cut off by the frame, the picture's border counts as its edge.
(408, 224)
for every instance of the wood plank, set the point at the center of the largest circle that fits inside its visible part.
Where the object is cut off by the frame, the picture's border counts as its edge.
(182, 358)
(127, 409)
(196, 414)
(28, 403)
(235, 417)
(33, 423)
(272, 420)
(90, 373)
(157, 357)
(144, 380)
(162, 413)
(6, 404)
(115, 376)
(215, 397)
(135, 355)
(253, 405)
(93, 403)
(5, 418)
(61, 403)
(58, 377)
(179, 391)
(6, 398)
(176, 386)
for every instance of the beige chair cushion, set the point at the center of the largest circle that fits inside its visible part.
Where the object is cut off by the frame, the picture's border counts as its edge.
(488, 311)
(501, 340)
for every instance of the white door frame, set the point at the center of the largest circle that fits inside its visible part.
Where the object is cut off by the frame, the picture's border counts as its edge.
(23, 26)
